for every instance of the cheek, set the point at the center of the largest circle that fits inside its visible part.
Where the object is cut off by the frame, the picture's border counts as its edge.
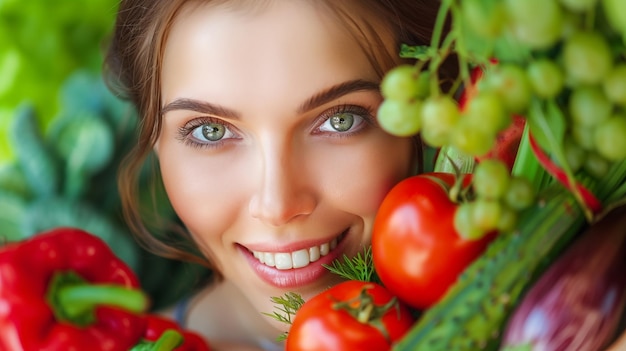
(203, 190)
(362, 180)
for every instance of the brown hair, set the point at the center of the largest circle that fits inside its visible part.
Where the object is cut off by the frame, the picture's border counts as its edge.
(133, 64)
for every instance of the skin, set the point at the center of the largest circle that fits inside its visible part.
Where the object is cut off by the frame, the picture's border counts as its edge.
(619, 344)
(282, 178)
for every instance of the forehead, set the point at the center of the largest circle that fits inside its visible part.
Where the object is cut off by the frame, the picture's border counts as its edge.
(283, 42)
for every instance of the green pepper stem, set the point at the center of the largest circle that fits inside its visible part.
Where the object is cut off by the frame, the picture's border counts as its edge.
(77, 299)
(169, 340)
(74, 299)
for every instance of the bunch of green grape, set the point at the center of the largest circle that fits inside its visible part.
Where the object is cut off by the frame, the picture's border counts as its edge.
(574, 59)
(562, 62)
(409, 108)
(497, 198)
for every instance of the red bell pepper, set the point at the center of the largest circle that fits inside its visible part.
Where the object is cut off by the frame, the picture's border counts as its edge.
(66, 290)
(163, 334)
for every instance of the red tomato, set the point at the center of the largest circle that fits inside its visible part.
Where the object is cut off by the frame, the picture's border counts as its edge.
(321, 325)
(416, 250)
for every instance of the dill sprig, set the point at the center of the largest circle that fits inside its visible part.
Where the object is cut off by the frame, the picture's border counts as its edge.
(285, 307)
(359, 267)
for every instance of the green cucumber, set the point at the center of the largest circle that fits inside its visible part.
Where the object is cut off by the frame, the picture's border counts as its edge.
(472, 315)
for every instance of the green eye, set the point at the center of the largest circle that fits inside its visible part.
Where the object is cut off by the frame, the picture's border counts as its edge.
(342, 122)
(213, 131)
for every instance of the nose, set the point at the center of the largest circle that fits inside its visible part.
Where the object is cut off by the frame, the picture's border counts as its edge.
(283, 192)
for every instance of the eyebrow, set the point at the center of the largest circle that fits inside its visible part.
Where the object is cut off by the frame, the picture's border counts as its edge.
(319, 99)
(336, 92)
(201, 107)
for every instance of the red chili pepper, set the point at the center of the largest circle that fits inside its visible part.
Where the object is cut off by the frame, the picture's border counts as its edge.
(164, 331)
(66, 290)
(508, 140)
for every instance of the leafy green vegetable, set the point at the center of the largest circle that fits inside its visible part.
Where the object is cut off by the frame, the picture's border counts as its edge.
(39, 165)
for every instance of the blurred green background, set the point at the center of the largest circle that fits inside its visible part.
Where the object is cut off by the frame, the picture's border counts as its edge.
(63, 135)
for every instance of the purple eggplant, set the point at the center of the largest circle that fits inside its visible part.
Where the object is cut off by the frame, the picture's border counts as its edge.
(577, 303)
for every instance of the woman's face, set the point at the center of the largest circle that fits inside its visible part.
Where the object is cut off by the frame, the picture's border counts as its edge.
(270, 147)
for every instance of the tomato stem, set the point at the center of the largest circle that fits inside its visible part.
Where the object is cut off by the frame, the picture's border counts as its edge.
(365, 314)
(456, 190)
(364, 309)
(457, 193)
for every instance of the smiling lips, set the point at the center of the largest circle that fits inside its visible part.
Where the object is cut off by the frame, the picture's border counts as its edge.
(296, 259)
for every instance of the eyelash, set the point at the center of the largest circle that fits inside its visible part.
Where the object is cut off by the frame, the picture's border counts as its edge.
(184, 132)
(361, 111)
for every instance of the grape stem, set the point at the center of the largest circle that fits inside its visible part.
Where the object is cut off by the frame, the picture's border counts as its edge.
(451, 43)
(435, 41)
(439, 22)
(464, 71)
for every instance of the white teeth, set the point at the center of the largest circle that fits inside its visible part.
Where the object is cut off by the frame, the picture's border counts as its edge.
(296, 259)
(300, 258)
(324, 249)
(314, 253)
(283, 260)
